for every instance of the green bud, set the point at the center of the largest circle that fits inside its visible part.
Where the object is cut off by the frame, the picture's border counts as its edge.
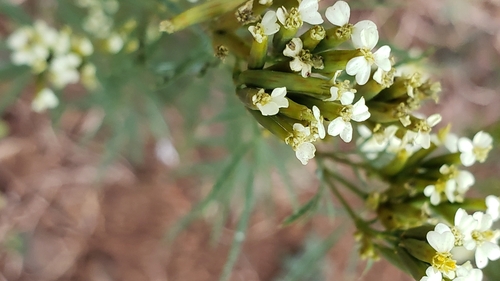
(419, 249)
(438, 161)
(413, 266)
(277, 125)
(419, 232)
(312, 37)
(258, 54)
(336, 60)
(297, 111)
(246, 95)
(198, 14)
(400, 216)
(397, 164)
(334, 37)
(381, 112)
(314, 87)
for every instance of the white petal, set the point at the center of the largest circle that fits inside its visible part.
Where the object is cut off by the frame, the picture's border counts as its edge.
(381, 57)
(482, 139)
(334, 92)
(268, 109)
(465, 145)
(339, 13)
(308, 10)
(434, 119)
(441, 242)
(441, 228)
(363, 75)
(346, 134)
(355, 65)
(269, 23)
(305, 152)
(336, 126)
(358, 28)
(281, 15)
(297, 43)
(279, 92)
(347, 98)
(467, 158)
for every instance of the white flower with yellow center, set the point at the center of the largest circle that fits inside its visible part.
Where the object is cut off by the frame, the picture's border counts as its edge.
(301, 143)
(475, 150)
(270, 104)
(306, 12)
(266, 27)
(493, 205)
(485, 240)
(342, 124)
(423, 128)
(365, 38)
(443, 241)
(464, 225)
(453, 183)
(45, 99)
(303, 61)
(341, 91)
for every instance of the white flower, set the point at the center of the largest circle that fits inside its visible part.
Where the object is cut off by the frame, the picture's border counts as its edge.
(453, 183)
(493, 205)
(341, 91)
(432, 274)
(270, 104)
(475, 150)
(265, 2)
(443, 241)
(318, 124)
(342, 126)
(465, 272)
(485, 240)
(302, 61)
(82, 46)
(305, 152)
(301, 142)
(63, 69)
(266, 27)
(306, 12)
(45, 99)
(361, 66)
(464, 225)
(422, 137)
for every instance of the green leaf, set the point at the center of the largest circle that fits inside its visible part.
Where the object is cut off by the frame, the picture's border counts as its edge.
(239, 235)
(307, 209)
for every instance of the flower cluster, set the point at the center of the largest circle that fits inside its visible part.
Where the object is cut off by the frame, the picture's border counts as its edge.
(310, 88)
(59, 57)
(470, 232)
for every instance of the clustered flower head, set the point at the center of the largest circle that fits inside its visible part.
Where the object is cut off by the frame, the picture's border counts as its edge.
(334, 83)
(61, 56)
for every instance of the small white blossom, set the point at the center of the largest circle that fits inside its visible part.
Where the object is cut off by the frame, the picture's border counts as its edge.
(63, 69)
(341, 91)
(466, 272)
(475, 150)
(432, 274)
(453, 183)
(266, 27)
(301, 142)
(443, 241)
(303, 61)
(360, 66)
(306, 12)
(423, 128)
(265, 2)
(493, 205)
(45, 99)
(342, 126)
(451, 142)
(485, 240)
(270, 104)
(114, 43)
(464, 225)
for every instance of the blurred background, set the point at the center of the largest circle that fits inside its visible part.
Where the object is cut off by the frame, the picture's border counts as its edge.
(156, 172)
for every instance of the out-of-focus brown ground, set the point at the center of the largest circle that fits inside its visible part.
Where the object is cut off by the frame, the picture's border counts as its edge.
(77, 222)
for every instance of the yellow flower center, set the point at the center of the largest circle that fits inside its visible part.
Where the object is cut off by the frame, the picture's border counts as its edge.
(344, 32)
(293, 21)
(443, 262)
(368, 55)
(346, 113)
(481, 153)
(261, 98)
